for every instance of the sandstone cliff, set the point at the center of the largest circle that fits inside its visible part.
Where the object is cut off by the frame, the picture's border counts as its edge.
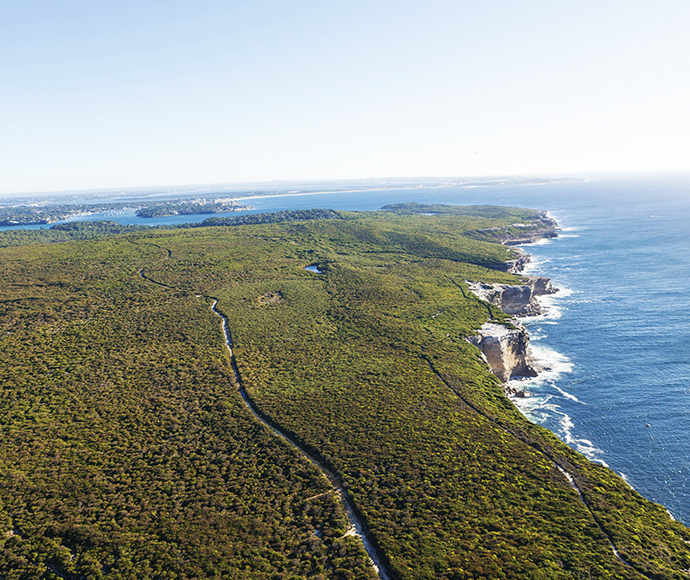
(522, 233)
(517, 265)
(516, 300)
(506, 351)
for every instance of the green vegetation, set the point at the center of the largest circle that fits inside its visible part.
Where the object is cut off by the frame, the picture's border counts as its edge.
(482, 211)
(195, 207)
(89, 230)
(127, 451)
(523, 225)
(38, 214)
(271, 218)
(85, 230)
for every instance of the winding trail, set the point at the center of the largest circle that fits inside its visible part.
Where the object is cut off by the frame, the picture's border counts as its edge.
(570, 479)
(573, 484)
(357, 526)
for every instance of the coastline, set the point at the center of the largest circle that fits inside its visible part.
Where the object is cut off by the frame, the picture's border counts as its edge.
(508, 351)
(520, 365)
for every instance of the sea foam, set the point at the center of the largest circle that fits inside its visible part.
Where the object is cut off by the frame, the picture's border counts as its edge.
(542, 394)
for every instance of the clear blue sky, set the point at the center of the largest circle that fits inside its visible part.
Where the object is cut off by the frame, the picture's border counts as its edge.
(97, 94)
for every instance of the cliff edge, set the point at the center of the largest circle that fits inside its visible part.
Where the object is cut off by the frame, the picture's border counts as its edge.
(518, 299)
(507, 350)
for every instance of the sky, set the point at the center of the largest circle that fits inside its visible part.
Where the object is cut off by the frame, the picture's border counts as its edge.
(99, 94)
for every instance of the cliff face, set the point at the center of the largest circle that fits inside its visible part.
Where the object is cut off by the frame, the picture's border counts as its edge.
(530, 237)
(518, 264)
(541, 285)
(516, 300)
(506, 351)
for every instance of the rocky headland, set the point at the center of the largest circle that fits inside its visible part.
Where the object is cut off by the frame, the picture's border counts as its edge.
(523, 233)
(518, 299)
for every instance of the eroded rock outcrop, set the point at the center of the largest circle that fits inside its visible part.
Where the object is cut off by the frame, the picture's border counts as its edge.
(506, 351)
(518, 264)
(523, 233)
(515, 300)
(541, 285)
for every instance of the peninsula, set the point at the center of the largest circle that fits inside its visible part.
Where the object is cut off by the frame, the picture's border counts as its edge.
(193, 402)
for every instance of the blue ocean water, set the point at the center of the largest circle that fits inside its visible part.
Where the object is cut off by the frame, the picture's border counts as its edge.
(617, 335)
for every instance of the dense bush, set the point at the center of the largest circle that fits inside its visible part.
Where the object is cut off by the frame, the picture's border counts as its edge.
(127, 452)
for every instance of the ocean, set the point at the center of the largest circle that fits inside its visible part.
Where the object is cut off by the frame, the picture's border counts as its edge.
(616, 336)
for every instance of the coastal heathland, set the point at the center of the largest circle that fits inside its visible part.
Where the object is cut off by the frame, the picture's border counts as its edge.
(128, 452)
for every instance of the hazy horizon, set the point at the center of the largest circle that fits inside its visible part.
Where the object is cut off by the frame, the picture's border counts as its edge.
(138, 94)
(199, 189)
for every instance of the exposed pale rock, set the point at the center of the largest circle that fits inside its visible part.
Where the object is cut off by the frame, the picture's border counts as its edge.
(515, 300)
(531, 237)
(506, 351)
(541, 285)
(517, 265)
(543, 227)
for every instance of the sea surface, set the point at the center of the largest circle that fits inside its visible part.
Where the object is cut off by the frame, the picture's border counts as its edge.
(617, 335)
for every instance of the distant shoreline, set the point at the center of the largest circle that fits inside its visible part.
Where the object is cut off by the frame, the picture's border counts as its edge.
(30, 213)
(264, 189)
